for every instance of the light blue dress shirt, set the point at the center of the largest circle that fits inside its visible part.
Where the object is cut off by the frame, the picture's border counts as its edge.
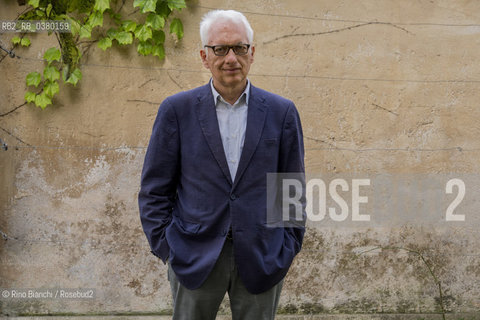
(232, 121)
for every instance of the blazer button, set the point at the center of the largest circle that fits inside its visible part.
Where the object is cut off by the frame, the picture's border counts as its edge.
(233, 197)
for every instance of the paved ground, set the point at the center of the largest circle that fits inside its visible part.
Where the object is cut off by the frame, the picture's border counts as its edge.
(469, 316)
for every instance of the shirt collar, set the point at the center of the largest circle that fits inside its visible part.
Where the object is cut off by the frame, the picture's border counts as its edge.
(217, 95)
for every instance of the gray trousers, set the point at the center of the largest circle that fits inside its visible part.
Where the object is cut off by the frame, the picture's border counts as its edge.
(203, 303)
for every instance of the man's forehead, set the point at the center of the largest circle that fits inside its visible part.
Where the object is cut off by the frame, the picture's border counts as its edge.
(223, 26)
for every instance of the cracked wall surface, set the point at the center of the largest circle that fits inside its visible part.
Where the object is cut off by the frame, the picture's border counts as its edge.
(382, 87)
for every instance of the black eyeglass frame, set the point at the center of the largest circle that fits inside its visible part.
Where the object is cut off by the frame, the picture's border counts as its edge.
(228, 49)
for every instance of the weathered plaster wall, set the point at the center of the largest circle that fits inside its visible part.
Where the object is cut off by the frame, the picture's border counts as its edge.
(383, 87)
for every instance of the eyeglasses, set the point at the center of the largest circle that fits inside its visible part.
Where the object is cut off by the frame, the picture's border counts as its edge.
(222, 50)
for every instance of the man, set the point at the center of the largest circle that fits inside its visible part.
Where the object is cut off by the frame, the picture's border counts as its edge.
(203, 197)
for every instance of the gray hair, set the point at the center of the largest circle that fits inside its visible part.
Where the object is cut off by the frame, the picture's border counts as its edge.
(223, 15)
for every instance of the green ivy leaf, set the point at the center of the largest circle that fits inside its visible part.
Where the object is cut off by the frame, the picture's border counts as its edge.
(65, 73)
(49, 9)
(159, 51)
(155, 21)
(112, 33)
(101, 5)
(176, 4)
(104, 43)
(86, 31)
(40, 14)
(143, 32)
(139, 3)
(51, 73)
(74, 25)
(129, 26)
(16, 40)
(158, 36)
(42, 100)
(29, 96)
(144, 48)
(95, 19)
(75, 76)
(51, 88)
(52, 54)
(176, 27)
(25, 42)
(124, 37)
(33, 79)
(149, 6)
(34, 3)
(162, 9)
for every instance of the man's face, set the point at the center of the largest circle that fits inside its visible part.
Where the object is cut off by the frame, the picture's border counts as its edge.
(230, 71)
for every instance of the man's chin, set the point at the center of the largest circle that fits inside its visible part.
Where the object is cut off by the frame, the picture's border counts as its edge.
(234, 81)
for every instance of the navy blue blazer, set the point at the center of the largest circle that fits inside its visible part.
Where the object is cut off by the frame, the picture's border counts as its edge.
(188, 200)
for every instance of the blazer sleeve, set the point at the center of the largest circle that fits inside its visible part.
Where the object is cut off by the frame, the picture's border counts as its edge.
(159, 180)
(292, 161)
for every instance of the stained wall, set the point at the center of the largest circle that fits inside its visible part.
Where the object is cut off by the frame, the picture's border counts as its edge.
(384, 89)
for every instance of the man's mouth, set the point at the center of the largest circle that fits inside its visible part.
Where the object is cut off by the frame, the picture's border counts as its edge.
(231, 69)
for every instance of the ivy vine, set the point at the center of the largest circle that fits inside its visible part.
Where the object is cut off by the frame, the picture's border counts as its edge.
(87, 17)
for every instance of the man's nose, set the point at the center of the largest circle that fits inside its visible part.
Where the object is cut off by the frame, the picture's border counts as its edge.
(231, 57)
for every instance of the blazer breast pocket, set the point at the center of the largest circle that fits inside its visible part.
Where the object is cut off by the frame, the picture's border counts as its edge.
(267, 153)
(270, 142)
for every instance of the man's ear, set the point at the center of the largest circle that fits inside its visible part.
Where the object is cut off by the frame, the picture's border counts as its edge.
(203, 55)
(252, 48)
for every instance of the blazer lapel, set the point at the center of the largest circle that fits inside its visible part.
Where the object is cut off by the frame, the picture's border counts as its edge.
(257, 113)
(207, 118)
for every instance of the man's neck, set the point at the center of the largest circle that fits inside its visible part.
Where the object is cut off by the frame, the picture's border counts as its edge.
(230, 95)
